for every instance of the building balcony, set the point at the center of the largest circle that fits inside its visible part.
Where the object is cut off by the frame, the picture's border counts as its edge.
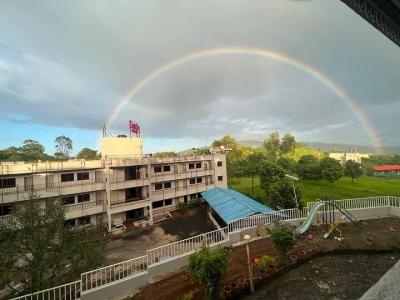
(117, 183)
(176, 159)
(128, 204)
(181, 191)
(20, 193)
(11, 168)
(83, 209)
(117, 162)
(181, 175)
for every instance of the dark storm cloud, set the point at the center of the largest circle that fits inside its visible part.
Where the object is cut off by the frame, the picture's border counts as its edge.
(68, 64)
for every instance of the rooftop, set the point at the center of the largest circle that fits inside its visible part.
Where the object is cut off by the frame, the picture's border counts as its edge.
(387, 168)
(231, 205)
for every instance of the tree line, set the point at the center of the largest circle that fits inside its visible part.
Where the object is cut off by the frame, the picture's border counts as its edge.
(32, 150)
(278, 157)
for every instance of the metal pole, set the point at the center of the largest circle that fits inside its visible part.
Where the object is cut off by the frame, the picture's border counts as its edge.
(250, 270)
(295, 196)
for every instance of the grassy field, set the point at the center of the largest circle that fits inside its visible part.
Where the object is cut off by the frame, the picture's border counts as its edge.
(341, 189)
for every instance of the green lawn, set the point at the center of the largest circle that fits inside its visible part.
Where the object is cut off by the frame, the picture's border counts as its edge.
(341, 189)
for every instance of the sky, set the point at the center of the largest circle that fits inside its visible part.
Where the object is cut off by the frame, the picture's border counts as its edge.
(65, 66)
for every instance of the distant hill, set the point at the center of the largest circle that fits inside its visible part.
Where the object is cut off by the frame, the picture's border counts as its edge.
(331, 147)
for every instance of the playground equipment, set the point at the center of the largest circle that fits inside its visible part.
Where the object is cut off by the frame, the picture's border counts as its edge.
(310, 217)
(328, 214)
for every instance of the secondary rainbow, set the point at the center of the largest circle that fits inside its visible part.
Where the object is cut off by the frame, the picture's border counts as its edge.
(310, 70)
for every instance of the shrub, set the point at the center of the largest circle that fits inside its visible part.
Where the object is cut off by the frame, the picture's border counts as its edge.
(282, 238)
(182, 207)
(208, 267)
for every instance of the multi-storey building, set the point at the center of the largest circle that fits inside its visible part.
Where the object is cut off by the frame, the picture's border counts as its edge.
(123, 185)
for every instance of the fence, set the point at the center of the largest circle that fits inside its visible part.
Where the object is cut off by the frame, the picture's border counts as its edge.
(69, 291)
(115, 272)
(109, 274)
(267, 218)
(186, 246)
(368, 202)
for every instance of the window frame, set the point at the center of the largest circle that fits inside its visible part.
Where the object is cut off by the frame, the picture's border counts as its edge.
(219, 163)
(156, 205)
(198, 165)
(168, 183)
(79, 174)
(5, 186)
(67, 174)
(159, 185)
(191, 166)
(220, 178)
(67, 197)
(83, 195)
(157, 169)
(192, 180)
(168, 167)
(199, 180)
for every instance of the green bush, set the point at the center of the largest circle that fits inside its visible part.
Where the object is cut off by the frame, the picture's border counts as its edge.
(282, 238)
(184, 207)
(208, 267)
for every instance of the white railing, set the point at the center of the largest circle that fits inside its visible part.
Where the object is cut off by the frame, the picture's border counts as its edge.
(83, 205)
(186, 246)
(267, 218)
(69, 291)
(358, 203)
(106, 275)
(112, 273)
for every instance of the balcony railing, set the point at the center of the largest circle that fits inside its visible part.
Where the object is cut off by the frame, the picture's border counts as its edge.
(83, 205)
(46, 166)
(49, 186)
(123, 179)
(122, 202)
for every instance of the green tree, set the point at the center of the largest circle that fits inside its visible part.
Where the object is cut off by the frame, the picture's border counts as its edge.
(270, 173)
(289, 164)
(331, 169)
(309, 167)
(282, 194)
(63, 145)
(37, 245)
(227, 142)
(87, 153)
(272, 145)
(32, 150)
(353, 169)
(208, 267)
(253, 166)
(288, 145)
(166, 154)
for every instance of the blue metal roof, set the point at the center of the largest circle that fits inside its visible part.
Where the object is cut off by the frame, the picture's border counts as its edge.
(231, 205)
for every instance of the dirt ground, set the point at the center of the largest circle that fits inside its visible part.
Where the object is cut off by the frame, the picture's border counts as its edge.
(328, 277)
(367, 237)
(137, 241)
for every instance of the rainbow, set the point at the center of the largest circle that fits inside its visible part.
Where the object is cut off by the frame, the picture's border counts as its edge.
(310, 70)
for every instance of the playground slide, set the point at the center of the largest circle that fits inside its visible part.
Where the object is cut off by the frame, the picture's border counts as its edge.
(303, 228)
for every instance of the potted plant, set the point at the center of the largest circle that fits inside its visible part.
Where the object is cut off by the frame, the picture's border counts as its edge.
(242, 282)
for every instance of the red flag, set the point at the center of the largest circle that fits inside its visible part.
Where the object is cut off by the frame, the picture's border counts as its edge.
(134, 127)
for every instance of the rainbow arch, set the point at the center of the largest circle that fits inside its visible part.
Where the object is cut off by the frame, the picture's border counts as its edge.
(346, 98)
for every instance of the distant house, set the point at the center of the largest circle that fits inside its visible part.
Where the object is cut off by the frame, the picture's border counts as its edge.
(342, 157)
(387, 170)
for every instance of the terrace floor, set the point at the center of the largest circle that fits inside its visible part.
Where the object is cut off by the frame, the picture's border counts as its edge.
(136, 242)
(328, 277)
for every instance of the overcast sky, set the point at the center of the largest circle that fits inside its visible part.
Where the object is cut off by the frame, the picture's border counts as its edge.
(64, 66)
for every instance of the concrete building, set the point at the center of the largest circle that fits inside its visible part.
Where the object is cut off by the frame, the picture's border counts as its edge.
(387, 170)
(123, 186)
(342, 157)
